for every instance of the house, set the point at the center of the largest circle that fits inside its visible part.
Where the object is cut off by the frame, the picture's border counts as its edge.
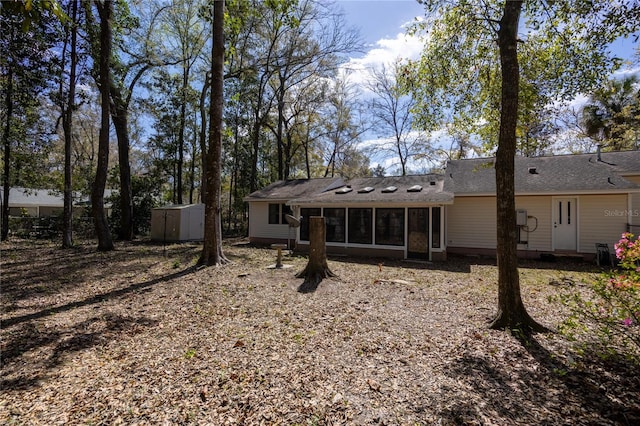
(44, 202)
(567, 204)
(385, 216)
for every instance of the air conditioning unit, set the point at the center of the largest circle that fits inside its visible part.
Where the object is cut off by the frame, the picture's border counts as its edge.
(521, 217)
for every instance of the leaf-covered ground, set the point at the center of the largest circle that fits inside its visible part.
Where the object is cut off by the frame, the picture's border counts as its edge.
(141, 336)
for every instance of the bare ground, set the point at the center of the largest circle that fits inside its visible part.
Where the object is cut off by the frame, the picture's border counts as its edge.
(141, 336)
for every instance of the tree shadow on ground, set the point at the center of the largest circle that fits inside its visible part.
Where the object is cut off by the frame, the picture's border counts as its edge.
(98, 298)
(57, 269)
(49, 348)
(463, 264)
(535, 386)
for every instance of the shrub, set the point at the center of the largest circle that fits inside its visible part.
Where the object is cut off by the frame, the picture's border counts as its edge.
(607, 317)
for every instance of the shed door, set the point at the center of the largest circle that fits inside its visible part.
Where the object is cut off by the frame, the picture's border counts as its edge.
(565, 214)
(418, 224)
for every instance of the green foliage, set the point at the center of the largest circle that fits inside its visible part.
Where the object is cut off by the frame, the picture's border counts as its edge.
(146, 193)
(563, 52)
(34, 11)
(607, 319)
(612, 115)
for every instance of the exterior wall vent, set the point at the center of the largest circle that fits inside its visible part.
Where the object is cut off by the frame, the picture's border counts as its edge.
(533, 171)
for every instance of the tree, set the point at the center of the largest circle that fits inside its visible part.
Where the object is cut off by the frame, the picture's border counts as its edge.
(26, 67)
(317, 268)
(392, 109)
(212, 253)
(456, 76)
(105, 11)
(344, 124)
(511, 310)
(67, 108)
(612, 115)
(187, 38)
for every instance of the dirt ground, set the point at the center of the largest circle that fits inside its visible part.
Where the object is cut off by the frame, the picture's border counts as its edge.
(141, 336)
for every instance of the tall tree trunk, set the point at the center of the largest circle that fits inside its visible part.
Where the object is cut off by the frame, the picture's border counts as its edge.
(182, 125)
(120, 116)
(105, 243)
(203, 139)
(67, 126)
(212, 253)
(6, 140)
(511, 311)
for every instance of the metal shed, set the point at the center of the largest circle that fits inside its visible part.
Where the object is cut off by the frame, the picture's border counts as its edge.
(183, 222)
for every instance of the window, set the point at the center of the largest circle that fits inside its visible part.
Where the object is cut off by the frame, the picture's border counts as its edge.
(304, 222)
(435, 227)
(360, 226)
(285, 210)
(277, 212)
(390, 227)
(274, 214)
(335, 220)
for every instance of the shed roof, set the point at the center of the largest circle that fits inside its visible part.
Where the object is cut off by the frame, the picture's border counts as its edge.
(543, 175)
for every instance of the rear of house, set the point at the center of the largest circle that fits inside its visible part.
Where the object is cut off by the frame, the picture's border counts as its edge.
(566, 204)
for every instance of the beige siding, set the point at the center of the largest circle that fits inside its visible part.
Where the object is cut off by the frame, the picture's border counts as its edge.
(602, 219)
(471, 222)
(259, 226)
(634, 214)
(539, 222)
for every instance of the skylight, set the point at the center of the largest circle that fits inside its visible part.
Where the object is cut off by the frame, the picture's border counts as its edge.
(415, 188)
(390, 189)
(365, 190)
(344, 190)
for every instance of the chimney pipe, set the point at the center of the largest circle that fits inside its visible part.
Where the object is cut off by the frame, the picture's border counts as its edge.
(598, 152)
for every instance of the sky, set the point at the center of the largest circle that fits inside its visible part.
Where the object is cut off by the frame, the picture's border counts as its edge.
(382, 25)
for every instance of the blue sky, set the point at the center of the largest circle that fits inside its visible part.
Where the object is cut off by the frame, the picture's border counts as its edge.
(379, 19)
(382, 26)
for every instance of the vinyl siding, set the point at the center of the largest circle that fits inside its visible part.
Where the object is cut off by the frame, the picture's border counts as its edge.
(634, 214)
(539, 208)
(471, 222)
(602, 219)
(259, 226)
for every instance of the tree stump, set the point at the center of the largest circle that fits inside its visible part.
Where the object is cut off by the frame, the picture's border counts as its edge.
(317, 268)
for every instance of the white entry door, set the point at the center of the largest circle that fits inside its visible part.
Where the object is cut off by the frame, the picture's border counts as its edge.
(565, 215)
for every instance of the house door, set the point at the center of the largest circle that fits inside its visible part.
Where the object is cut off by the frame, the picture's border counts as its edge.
(418, 241)
(564, 223)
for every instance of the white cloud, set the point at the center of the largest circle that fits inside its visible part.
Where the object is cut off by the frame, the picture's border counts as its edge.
(383, 52)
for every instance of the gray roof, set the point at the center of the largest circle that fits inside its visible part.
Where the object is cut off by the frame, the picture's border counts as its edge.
(555, 174)
(20, 197)
(426, 189)
(285, 190)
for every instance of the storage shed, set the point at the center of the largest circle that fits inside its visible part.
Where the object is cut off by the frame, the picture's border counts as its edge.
(183, 222)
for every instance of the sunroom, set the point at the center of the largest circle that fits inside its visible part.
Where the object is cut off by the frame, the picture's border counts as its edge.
(401, 217)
